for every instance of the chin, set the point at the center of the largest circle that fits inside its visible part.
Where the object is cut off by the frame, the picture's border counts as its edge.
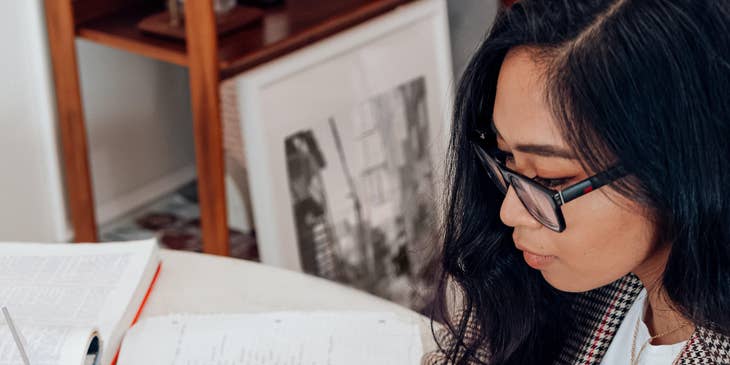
(569, 284)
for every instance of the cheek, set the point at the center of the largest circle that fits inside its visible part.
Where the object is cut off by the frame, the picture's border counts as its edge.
(604, 240)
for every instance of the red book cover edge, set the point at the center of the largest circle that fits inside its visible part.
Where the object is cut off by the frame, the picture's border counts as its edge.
(141, 306)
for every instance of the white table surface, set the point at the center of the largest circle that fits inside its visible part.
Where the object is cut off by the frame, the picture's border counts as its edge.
(198, 283)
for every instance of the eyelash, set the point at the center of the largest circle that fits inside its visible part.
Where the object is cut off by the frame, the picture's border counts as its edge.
(549, 183)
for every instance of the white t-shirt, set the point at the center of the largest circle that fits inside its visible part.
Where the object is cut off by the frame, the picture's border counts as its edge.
(619, 351)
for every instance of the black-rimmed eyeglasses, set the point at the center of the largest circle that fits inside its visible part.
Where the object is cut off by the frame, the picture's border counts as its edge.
(540, 201)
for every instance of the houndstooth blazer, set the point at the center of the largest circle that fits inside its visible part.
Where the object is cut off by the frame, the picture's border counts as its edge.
(600, 313)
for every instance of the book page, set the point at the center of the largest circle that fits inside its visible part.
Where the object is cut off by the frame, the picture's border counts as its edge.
(45, 345)
(80, 285)
(282, 338)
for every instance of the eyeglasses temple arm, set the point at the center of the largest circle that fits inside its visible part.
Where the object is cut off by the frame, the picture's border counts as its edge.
(579, 189)
(586, 186)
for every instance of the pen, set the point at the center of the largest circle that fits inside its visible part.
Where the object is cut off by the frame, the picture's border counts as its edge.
(16, 336)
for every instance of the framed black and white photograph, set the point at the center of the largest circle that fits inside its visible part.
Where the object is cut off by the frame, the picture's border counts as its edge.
(345, 143)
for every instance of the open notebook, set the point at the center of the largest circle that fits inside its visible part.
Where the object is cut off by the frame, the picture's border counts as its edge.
(274, 338)
(73, 302)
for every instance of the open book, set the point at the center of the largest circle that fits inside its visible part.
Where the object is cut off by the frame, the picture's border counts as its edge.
(274, 338)
(72, 303)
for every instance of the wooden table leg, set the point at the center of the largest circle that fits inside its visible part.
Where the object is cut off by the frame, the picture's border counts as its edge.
(61, 39)
(202, 50)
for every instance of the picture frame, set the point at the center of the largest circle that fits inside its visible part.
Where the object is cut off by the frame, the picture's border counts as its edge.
(345, 142)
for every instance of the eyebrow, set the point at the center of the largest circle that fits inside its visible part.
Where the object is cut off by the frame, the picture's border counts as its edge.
(545, 150)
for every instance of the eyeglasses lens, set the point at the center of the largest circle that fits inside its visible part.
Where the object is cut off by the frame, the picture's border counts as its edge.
(537, 202)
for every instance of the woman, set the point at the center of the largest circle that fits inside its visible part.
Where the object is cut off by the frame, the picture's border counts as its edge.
(588, 220)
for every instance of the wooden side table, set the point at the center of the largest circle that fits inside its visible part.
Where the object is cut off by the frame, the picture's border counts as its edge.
(209, 59)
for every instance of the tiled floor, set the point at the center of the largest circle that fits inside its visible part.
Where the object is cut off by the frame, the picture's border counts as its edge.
(175, 220)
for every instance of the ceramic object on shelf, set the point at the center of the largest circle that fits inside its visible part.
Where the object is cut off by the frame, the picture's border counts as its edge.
(220, 6)
(171, 23)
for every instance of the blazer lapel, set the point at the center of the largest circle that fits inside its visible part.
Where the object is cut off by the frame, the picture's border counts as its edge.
(598, 315)
(706, 347)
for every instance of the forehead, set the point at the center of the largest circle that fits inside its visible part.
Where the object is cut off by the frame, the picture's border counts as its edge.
(521, 113)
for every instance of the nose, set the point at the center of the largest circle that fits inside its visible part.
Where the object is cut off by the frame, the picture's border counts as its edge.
(514, 214)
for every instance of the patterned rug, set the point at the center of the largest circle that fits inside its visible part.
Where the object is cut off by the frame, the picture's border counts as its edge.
(175, 219)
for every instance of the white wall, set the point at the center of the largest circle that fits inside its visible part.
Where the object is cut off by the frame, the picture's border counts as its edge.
(31, 202)
(139, 127)
(139, 124)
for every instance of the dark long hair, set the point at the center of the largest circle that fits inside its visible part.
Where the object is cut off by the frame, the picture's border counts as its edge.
(644, 83)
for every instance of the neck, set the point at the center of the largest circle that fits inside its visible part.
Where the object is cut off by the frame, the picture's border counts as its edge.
(660, 317)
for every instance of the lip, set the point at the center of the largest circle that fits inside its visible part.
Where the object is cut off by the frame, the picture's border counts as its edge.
(536, 261)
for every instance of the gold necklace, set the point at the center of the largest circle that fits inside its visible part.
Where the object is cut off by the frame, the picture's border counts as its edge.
(635, 357)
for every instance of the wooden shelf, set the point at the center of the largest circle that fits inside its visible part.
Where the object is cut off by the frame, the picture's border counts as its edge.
(283, 29)
(119, 30)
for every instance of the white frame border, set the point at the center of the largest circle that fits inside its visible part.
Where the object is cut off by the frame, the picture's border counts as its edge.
(248, 86)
